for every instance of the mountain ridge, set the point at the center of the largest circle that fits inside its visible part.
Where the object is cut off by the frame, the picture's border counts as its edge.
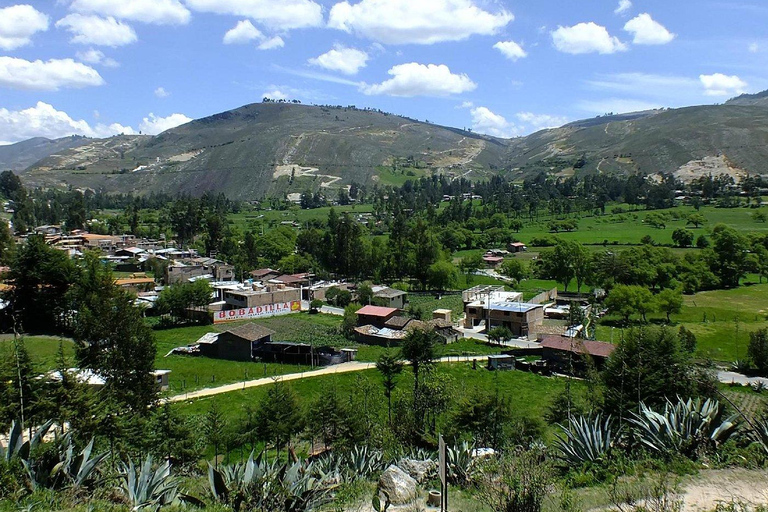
(275, 149)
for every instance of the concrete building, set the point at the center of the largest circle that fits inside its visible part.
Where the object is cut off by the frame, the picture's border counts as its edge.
(389, 297)
(519, 317)
(517, 247)
(249, 298)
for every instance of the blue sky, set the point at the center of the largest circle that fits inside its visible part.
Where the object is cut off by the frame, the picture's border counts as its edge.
(100, 67)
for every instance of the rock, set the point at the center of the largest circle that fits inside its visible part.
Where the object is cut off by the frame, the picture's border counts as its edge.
(419, 470)
(398, 485)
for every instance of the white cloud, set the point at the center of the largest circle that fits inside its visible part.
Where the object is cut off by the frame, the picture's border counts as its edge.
(624, 6)
(49, 75)
(416, 21)
(87, 29)
(616, 106)
(274, 94)
(646, 30)
(719, 84)
(511, 50)
(152, 124)
(43, 120)
(272, 43)
(415, 79)
(97, 57)
(541, 121)
(160, 92)
(754, 48)
(160, 12)
(490, 123)
(345, 60)
(18, 23)
(282, 15)
(586, 38)
(242, 33)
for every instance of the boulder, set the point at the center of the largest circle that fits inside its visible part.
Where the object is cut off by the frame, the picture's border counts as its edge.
(419, 470)
(398, 485)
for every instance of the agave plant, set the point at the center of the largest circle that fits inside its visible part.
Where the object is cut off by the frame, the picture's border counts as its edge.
(260, 485)
(79, 469)
(460, 462)
(17, 447)
(760, 430)
(144, 487)
(362, 462)
(684, 427)
(585, 439)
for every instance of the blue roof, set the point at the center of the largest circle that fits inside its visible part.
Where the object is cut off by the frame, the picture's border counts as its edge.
(514, 307)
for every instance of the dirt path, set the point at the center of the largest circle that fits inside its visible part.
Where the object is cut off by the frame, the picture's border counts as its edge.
(355, 366)
(725, 486)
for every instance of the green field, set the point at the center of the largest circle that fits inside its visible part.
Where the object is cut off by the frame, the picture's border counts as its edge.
(530, 395)
(44, 350)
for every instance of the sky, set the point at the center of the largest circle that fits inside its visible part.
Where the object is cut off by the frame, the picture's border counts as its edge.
(501, 67)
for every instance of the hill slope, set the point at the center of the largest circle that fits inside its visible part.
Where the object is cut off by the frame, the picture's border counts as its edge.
(19, 156)
(731, 136)
(273, 149)
(269, 149)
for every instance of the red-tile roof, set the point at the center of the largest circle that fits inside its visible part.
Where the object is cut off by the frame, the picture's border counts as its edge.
(578, 346)
(376, 311)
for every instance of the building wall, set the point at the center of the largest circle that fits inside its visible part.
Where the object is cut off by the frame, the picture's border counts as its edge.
(233, 348)
(236, 299)
(393, 302)
(519, 323)
(174, 274)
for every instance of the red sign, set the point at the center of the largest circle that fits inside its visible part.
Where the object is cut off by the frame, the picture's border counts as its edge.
(281, 308)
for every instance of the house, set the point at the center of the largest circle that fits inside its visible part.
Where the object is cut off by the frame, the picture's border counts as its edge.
(136, 284)
(501, 362)
(493, 261)
(563, 353)
(375, 315)
(130, 252)
(236, 344)
(301, 353)
(390, 297)
(442, 314)
(519, 317)
(517, 247)
(206, 268)
(162, 379)
(264, 274)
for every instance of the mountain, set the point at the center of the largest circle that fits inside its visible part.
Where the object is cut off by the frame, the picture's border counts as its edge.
(730, 138)
(21, 155)
(273, 149)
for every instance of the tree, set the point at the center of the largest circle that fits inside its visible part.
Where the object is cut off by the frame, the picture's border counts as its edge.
(442, 275)
(759, 216)
(682, 237)
(514, 269)
(648, 365)
(484, 416)
(349, 322)
(517, 481)
(499, 334)
(470, 264)
(279, 415)
(696, 219)
(758, 350)
(176, 300)
(214, 427)
(364, 293)
(568, 260)
(626, 300)
(390, 367)
(333, 418)
(41, 277)
(419, 348)
(670, 301)
(687, 339)
(730, 251)
(112, 339)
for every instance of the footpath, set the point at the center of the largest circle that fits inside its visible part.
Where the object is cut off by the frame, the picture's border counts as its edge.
(354, 366)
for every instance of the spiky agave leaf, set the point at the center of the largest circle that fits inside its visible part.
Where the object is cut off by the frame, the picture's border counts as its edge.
(585, 439)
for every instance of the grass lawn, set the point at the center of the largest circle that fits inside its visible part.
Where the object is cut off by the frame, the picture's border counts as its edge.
(43, 350)
(530, 395)
(720, 319)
